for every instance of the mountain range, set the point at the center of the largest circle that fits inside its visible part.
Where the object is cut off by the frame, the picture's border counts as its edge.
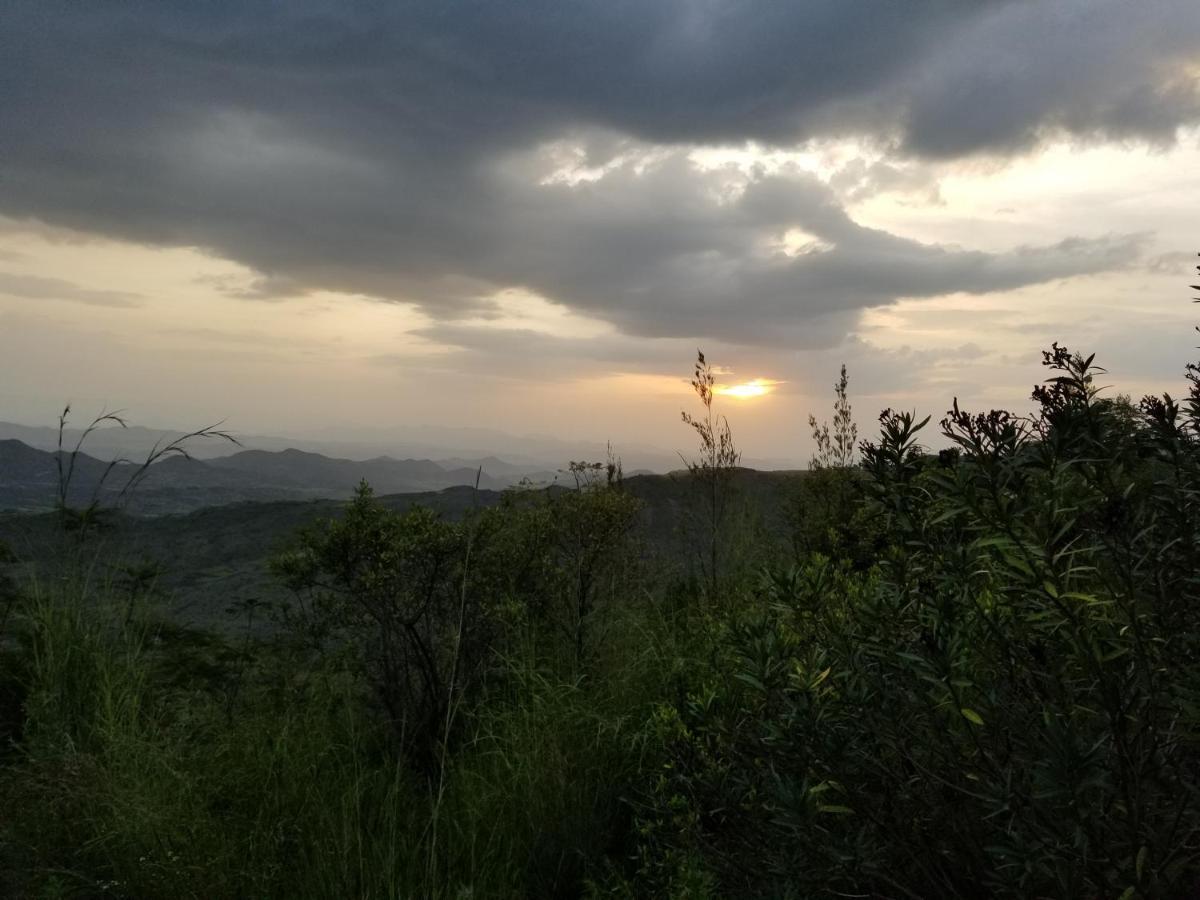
(30, 478)
(501, 454)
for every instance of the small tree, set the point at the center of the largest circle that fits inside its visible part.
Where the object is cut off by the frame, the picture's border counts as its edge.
(836, 448)
(825, 507)
(590, 474)
(592, 525)
(383, 591)
(713, 468)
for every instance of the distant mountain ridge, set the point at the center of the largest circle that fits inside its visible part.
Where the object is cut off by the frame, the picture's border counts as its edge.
(387, 475)
(502, 455)
(135, 441)
(29, 478)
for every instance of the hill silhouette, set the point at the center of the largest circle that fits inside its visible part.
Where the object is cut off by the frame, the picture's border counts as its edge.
(29, 478)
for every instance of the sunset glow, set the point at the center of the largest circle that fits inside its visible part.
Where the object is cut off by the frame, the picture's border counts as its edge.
(755, 388)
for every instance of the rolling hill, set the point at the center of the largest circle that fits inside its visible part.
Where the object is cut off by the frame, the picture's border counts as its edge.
(29, 479)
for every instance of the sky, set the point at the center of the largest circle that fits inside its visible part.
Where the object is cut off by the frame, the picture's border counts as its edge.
(314, 217)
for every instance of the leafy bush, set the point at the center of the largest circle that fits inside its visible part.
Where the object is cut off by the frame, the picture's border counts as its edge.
(1006, 706)
(386, 592)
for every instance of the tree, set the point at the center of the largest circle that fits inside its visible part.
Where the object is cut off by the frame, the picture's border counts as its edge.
(384, 589)
(592, 524)
(1003, 705)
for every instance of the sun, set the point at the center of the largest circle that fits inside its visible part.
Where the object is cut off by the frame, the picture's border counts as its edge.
(754, 388)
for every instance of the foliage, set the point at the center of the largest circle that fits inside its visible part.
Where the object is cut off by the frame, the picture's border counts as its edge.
(381, 591)
(825, 511)
(588, 474)
(827, 515)
(712, 471)
(8, 588)
(96, 511)
(591, 538)
(419, 607)
(836, 448)
(1006, 706)
(134, 778)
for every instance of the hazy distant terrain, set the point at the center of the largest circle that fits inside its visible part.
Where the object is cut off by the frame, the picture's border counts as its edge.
(29, 478)
(505, 456)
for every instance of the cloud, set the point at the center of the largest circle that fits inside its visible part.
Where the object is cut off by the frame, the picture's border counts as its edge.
(221, 336)
(859, 179)
(1092, 69)
(1175, 262)
(526, 353)
(399, 151)
(34, 287)
(664, 251)
(263, 287)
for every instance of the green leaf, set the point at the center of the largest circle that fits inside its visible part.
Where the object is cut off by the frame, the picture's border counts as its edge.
(971, 716)
(749, 679)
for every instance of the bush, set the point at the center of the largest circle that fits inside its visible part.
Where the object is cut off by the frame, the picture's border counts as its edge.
(1006, 706)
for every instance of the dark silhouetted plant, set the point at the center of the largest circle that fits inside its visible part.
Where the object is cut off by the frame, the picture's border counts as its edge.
(836, 447)
(712, 470)
(90, 516)
(593, 524)
(825, 509)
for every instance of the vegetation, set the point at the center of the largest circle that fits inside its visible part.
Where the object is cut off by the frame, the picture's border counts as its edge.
(835, 449)
(90, 514)
(977, 673)
(712, 472)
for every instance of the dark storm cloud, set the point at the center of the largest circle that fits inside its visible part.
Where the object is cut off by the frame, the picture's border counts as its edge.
(389, 148)
(1104, 69)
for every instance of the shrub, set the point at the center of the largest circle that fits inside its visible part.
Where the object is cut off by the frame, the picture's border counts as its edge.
(1008, 706)
(386, 592)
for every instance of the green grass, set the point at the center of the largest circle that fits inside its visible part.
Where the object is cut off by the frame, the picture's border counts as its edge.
(135, 777)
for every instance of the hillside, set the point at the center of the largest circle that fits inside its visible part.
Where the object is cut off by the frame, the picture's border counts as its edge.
(216, 555)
